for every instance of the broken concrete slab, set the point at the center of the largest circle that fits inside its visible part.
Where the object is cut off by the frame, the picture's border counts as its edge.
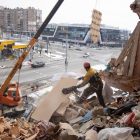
(70, 114)
(91, 135)
(53, 99)
(62, 108)
(98, 110)
(83, 129)
(76, 119)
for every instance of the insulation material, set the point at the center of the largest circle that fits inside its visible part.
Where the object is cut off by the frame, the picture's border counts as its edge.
(57, 77)
(95, 25)
(53, 99)
(107, 93)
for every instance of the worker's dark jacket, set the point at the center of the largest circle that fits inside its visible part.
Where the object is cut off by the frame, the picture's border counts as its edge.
(96, 85)
(91, 77)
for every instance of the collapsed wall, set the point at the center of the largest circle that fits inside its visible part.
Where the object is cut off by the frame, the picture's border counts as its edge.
(124, 72)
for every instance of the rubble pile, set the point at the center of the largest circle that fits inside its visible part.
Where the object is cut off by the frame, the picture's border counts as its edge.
(124, 72)
(11, 129)
(119, 120)
(114, 76)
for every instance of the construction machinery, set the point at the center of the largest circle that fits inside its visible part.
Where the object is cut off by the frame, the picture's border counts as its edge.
(10, 94)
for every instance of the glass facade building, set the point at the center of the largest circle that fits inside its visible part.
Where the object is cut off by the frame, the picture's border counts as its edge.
(74, 33)
(112, 35)
(81, 34)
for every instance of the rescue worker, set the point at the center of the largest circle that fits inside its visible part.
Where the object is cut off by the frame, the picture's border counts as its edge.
(95, 85)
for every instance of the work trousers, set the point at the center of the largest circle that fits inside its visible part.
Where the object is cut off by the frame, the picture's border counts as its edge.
(90, 90)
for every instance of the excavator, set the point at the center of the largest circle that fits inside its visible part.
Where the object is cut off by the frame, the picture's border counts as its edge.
(10, 95)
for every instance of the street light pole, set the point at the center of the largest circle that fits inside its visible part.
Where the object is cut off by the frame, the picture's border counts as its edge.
(75, 38)
(47, 44)
(66, 61)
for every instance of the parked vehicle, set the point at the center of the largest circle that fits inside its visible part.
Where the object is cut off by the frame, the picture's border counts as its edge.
(86, 54)
(38, 64)
(98, 48)
(78, 49)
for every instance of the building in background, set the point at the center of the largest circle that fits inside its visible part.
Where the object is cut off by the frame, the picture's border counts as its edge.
(20, 19)
(80, 34)
(2, 17)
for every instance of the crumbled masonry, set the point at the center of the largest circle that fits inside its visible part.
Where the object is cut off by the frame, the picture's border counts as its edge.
(57, 116)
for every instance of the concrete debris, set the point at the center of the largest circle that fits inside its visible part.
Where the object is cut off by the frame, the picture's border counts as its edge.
(98, 110)
(123, 72)
(67, 120)
(70, 114)
(91, 135)
(81, 122)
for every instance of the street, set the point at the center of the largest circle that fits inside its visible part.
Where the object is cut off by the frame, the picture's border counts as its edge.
(75, 62)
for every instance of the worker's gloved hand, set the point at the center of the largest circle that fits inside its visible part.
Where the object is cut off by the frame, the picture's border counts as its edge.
(81, 78)
(69, 90)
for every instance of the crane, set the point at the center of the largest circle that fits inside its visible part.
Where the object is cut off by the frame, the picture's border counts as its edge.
(14, 96)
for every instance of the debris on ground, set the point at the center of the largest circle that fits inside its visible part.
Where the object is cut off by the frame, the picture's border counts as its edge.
(68, 120)
(57, 116)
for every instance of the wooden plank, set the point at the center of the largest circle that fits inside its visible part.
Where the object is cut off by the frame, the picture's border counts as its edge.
(126, 65)
(136, 71)
(53, 99)
(95, 25)
(134, 51)
(126, 47)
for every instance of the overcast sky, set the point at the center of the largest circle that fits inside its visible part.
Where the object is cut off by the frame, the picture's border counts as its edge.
(114, 12)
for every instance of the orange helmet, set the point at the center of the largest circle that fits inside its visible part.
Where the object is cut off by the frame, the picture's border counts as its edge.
(86, 64)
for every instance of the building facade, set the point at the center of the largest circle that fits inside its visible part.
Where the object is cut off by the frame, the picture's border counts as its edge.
(109, 36)
(20, 19)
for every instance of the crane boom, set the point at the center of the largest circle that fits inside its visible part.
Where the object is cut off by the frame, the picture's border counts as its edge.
(29, 47)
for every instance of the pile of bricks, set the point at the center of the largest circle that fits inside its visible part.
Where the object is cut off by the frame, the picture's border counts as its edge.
(11, 129)
(114, 76)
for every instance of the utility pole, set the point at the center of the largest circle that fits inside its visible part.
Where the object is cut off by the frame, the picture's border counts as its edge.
(47, 44)
(66, 60)
(30, 53)
(20, 36)
(75, 39)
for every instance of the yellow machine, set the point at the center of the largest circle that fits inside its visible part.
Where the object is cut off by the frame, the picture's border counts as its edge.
(11, 44)
(5, 43)
(13, 96)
